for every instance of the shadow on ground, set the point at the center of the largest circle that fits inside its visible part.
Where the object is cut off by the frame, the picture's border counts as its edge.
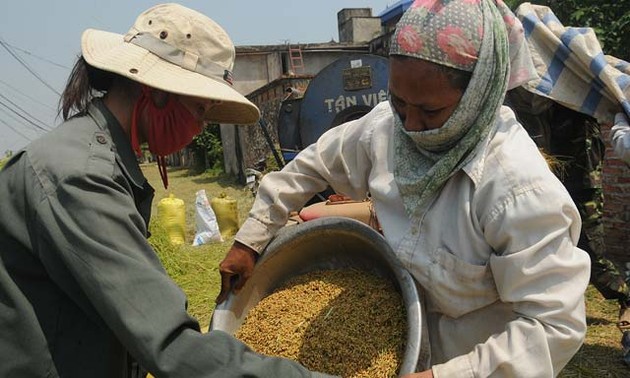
(591, 321)
(596, 361)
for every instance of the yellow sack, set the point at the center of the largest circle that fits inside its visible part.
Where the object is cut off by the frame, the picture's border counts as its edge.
(226, 210)
(172, 215)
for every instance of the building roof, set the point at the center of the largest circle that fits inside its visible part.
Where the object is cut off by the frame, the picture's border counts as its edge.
(395, 10)
(305, 47)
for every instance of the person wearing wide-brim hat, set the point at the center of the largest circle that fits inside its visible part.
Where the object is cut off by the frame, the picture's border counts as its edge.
(82, 293)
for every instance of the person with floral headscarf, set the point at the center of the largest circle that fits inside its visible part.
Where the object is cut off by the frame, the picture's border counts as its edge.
(462, 195)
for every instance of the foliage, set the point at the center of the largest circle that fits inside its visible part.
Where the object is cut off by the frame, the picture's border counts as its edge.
(610, 20)
(207, 149)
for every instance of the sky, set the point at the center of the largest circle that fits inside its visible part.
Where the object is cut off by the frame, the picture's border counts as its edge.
(41, 41)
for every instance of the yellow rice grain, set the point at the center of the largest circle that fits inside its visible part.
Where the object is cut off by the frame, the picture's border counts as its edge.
(342, 322)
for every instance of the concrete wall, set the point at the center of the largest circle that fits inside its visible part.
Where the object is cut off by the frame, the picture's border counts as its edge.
(252, 71)
(316, 60)
(360, 30)
(244, 146)
(348, 13)
(231, 162)
(356, 25)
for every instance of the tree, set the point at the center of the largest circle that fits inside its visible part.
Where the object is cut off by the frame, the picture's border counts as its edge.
(207, 148)
(609, 19)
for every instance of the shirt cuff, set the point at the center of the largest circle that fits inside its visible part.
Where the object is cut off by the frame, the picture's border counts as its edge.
(455, 367)
(254, 234)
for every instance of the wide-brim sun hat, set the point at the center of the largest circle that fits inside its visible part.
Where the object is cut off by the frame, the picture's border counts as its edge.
(178, 50)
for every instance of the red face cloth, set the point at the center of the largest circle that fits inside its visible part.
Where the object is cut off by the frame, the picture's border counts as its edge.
(171, 127)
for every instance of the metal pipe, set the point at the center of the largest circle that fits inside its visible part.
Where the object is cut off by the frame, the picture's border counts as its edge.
(276, 155)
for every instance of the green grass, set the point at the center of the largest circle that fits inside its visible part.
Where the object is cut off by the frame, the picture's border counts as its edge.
(195, 269)
(600, 356)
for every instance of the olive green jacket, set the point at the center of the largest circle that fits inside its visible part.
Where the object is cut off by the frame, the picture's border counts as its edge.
(82, 293)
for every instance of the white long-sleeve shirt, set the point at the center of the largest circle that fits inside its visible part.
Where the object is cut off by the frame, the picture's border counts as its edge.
(495, 254)
(621, 137)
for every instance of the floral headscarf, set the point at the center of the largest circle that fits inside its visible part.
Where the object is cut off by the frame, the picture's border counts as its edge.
(478, 36)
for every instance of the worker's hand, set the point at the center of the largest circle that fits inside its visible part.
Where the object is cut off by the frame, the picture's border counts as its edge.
(422, 374)
(235, 269)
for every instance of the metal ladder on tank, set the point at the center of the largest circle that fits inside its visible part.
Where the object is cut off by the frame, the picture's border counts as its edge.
(296, 60)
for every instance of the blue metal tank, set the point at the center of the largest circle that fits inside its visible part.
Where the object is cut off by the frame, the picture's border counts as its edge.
(346, 89)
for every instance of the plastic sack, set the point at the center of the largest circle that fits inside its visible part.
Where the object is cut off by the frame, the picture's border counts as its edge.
(172, 215)
(226, 209)
(207, 226)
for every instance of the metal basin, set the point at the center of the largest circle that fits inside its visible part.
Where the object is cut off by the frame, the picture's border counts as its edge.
(324, 243)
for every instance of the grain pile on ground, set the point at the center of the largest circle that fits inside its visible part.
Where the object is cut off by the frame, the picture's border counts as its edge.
(342, 322)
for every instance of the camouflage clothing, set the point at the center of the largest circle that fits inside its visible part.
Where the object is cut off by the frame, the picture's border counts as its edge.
(575, 152)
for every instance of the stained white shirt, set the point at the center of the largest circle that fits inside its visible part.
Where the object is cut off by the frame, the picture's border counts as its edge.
(495, 254)
(621, 137)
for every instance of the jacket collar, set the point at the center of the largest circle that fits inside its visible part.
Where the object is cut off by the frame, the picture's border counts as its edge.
(106, 121)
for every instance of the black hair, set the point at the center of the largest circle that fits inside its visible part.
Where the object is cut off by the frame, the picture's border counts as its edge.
(84, 82)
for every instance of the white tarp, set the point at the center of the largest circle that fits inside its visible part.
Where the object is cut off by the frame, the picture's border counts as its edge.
(572, 68)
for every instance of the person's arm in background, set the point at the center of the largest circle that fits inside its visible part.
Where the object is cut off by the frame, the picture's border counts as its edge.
(620, 137)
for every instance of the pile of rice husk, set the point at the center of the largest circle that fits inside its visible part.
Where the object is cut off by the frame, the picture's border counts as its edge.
(342, 322)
